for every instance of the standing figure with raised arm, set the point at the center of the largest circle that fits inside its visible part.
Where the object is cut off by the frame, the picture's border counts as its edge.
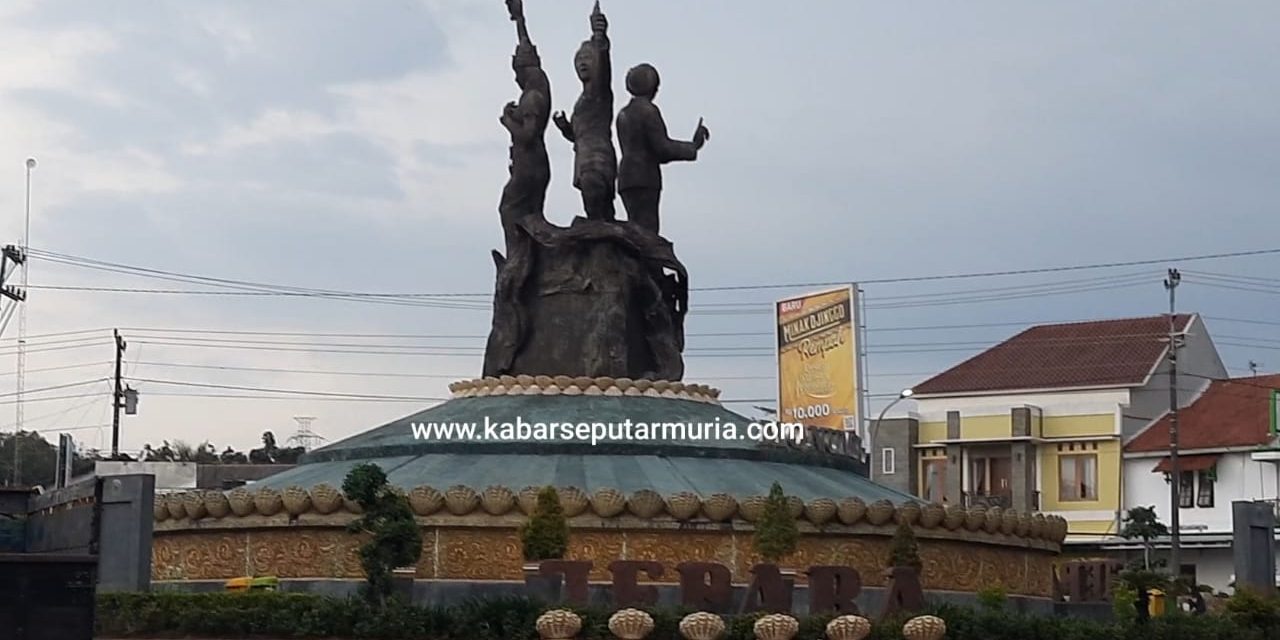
(526, 120)
(595, 164)
(642, 134)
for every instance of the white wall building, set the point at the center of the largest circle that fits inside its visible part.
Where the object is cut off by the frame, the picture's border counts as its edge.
(1227, 453)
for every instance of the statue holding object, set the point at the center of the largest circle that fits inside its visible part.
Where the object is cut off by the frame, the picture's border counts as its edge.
(526, 121)
(595, 164)
(642, 134)
(597, 298)
(525, 193)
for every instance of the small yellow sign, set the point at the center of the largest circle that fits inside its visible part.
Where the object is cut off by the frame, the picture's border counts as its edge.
(818, 359)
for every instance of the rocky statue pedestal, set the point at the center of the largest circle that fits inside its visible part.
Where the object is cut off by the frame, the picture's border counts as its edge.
(594, 299)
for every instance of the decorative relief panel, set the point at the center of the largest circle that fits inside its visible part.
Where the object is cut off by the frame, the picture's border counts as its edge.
(495, 554)
(673, 547)
(600, 547)
(305, 553)
(480, 554)
(198, 556)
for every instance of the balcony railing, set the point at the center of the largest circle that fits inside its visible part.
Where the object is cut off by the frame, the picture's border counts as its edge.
(1002, 500)
(988, 500)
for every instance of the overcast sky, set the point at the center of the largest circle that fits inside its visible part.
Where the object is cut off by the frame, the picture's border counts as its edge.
(355, 146)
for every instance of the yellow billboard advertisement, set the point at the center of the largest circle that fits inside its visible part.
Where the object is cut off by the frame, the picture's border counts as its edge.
(818, 372)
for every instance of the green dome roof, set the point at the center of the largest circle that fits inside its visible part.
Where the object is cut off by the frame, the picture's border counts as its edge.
(738, 466)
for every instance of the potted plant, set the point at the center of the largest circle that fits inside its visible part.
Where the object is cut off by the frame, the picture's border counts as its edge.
(776, 535)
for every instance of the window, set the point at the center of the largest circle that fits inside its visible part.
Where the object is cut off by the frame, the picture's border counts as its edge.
(887, 461)
(1204, 497)
(1187, 490)
(934, 480)
(1078, 477)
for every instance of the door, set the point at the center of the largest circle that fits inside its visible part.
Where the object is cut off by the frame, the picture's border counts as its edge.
(1001, 476)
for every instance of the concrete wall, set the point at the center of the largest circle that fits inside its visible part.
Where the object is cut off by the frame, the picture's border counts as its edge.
(1198, 358)
(62, 521)
(169, 475)
(898, 435)
(113, 522)
(126, 507)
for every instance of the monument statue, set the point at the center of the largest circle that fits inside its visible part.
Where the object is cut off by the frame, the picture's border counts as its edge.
(595, 165)
(642, 134)
(597, 298)
(525, 194)
(526, 121)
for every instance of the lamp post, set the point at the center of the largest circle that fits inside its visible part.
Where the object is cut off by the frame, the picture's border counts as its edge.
(875, 426)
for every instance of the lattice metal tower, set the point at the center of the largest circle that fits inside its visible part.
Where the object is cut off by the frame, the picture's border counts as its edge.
(304, 437)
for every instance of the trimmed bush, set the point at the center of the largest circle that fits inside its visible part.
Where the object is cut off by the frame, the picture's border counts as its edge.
(395, 538)
(285, 615)
(903, 550)
(546, 535)
(776, 535)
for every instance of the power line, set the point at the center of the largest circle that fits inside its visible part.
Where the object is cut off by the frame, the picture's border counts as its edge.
(267, 287)
(329, 394)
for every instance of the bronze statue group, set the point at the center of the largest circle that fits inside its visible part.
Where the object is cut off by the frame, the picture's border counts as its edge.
(597, 173)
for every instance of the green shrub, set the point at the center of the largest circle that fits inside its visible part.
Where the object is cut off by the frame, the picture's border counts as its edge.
(1123, 601)
(903, 550)
(286, 615)
(992, 597)
(546, 535)
(775, 535)
(395, 538)
(1255, 610)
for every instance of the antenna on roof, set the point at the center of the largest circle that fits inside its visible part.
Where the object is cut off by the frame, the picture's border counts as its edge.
(1253, 368)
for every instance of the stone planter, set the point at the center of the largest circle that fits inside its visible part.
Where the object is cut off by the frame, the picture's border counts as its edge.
(540, 587)
(402, 581)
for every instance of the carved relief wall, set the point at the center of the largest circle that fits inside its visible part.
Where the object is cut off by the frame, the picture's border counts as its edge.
(493, 553)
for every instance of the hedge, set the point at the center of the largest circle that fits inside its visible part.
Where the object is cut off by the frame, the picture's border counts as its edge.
(285, 615)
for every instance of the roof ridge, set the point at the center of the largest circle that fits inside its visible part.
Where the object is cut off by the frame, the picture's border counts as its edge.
(1157, 316)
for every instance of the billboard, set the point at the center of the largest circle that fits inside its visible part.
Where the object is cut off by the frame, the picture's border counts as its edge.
(818, 365)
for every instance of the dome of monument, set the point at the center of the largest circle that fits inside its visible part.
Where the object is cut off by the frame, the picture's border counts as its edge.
(696, 447)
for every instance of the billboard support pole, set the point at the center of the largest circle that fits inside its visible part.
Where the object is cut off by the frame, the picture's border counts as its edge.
(863, 395)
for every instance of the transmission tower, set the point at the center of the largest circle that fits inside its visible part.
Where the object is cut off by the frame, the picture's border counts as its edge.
(304, 437)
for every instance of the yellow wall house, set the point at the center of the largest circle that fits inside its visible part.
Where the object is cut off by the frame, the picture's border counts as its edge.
(1037, 421)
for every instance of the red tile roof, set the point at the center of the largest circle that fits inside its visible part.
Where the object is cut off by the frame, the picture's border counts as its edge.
(1229, 413)
(1103, 353)
(1188, 463)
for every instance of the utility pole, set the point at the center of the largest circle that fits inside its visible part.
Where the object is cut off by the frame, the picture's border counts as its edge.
(117, 397)
(1175, 471)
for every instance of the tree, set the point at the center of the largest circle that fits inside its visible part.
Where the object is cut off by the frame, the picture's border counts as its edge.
(775, 535)
(1141, 523)
(231, 456)
(395, 541)
(903, 550)
(38, 459)
(546, 535)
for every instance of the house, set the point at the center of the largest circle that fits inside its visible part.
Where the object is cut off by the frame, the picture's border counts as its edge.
(1037, 421)
(1227, 445)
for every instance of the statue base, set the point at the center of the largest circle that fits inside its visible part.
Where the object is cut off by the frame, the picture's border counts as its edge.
(593, 299)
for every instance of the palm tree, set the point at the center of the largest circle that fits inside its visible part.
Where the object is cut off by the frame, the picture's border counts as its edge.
(1142, 523)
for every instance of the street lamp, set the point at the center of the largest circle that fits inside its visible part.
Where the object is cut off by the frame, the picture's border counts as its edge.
(875, 427)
